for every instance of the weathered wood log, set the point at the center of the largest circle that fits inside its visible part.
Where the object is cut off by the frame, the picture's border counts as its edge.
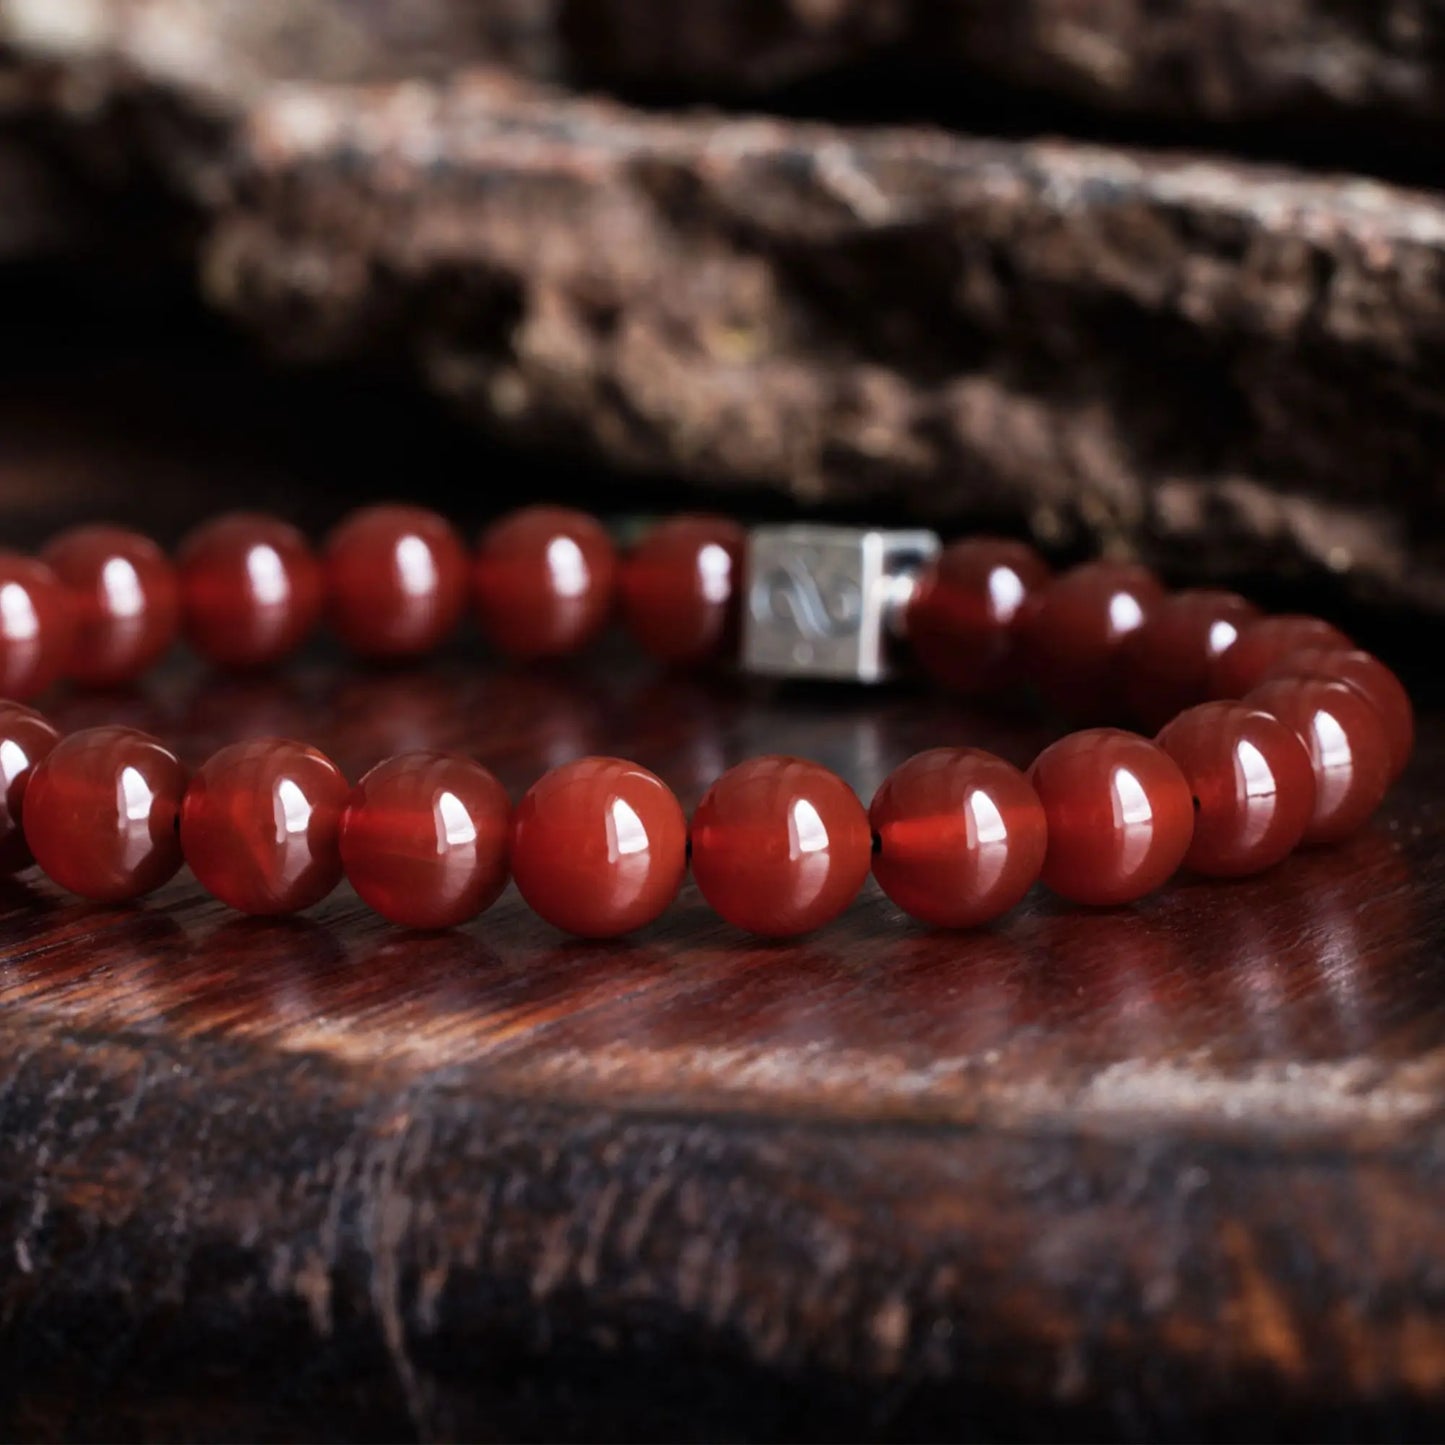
(1224, 368)
(1213, 364)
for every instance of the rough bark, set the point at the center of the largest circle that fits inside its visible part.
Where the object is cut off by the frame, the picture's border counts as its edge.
(1222, 367)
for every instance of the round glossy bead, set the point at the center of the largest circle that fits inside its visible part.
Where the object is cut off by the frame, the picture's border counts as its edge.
(780, 846)
(1369, 676)
(1120, 815)
(125, 599)
(424, 839)
(961, 619)
(1072, 633)
(1349, 750)
(100, 813)
(544, 581)
(961, 836)
(1166, 662)
(1253, 786)
(37, 627)
(396, 581)
(679, 589)
(1259, 646)
(599, 847)
(25, 738)
(260, 824)
(251, 589)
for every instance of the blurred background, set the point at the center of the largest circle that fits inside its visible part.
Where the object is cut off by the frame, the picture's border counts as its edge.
(1148, 280)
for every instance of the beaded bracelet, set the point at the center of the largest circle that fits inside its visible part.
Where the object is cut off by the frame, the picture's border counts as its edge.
(600, 846)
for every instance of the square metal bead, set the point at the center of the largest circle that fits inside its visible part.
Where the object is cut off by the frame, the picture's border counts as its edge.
(823, 601)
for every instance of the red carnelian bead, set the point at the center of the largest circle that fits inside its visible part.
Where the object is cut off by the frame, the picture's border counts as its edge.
(259, 825)
(1166, 662)
(424, 839)
(250, 589)
(125, 600)
(780, 846)
(1253, 786)
(679, 588)
(100, 813)
(1259, 646)
(1368, 676)
(543, 581)
(961, 619)
(1120, 815)
(396, 581)
(37, 626)
(25, 738)
(961, 836)
(1348, 746)
(599, 847)
(1071, 634)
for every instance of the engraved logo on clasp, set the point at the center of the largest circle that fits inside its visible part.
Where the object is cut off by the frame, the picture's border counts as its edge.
(819, 598)
(816, 606)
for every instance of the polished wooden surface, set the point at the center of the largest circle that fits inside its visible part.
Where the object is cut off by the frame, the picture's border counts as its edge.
(1165, 1171)
(1247, 1005)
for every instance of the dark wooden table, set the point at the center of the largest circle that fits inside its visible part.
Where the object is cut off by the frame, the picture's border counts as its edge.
(1171, 1171)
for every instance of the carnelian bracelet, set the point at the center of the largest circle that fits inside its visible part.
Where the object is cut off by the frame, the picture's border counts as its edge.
(600, 846)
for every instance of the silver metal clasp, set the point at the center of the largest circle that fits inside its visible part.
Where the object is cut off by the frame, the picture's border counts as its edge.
(825, 602)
